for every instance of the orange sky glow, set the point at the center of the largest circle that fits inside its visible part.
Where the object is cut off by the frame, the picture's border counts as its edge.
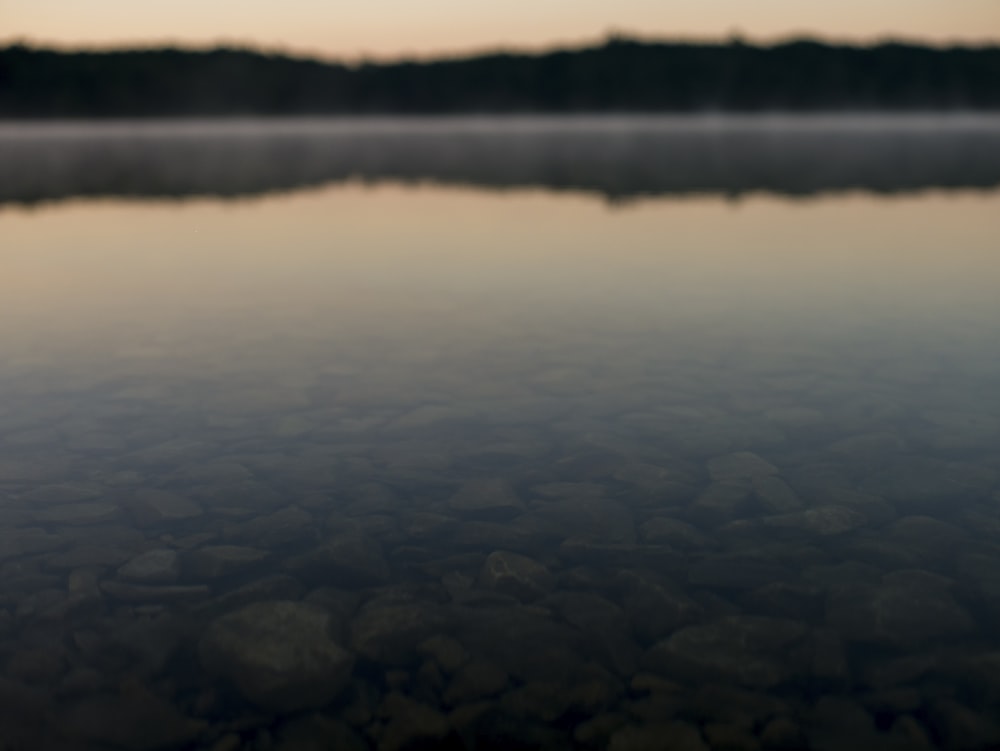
(401, 28)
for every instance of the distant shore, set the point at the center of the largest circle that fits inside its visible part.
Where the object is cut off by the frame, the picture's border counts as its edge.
(616, 157)
(620, 76)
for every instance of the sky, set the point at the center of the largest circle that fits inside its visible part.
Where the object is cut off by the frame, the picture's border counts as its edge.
(411, 28)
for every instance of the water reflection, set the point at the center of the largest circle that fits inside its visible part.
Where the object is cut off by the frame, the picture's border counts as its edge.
(619, 158)
(408, 467)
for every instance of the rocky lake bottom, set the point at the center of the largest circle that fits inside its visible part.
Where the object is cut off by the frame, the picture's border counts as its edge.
(657, 478)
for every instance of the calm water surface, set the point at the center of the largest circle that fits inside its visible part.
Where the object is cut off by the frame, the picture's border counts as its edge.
(473, 451)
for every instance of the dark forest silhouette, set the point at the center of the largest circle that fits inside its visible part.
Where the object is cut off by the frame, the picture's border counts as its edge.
(621, 75)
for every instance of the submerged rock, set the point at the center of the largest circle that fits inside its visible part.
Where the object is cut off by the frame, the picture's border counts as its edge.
(741, 466)
(676, 736)
(486, 498)
(605, 627)
(736, 571)
(215, 561)
(656, 608)
(280, 528)
(773, 494)
(905, 609)
(152, 567)
(661, 530)
(722, 501)
(516, 575)
(388, 628)
(134, 721)
(143, 593)
(585, 517)
(824, 521)
(348, 559)
(151, 507)
(79, 513)
(316, 732)
(278, 654)
(751, 650)
(476, 680)
(410, 722)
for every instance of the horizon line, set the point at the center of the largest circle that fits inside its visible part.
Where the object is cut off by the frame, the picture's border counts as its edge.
(609, 36)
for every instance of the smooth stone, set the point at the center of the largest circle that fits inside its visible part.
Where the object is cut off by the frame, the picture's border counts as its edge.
(448, 653)
(661, 530)
(736, 571)
(837, 722)
(516, 575)
(428, 415)
(824, 521)
(725, 702)
(525, 640)
(216, 561)
(27, 541)
(350, 559)
(275, 587)
(724, 737)
(37, 665)
(139, 593)
(605, 626)
(773, 494)
(596, 732)
(78, 513)
(794, 417)
(317, 732)
(538, 700)
(739, 466)
(136, 720)
(589, 518)
(569, 490)
(925, 483)
(667, 483)
(340, 604)
(751, 650)
(904, 610)
(291, 524)
(877, 510)
(870, 447)
(87, 555)
(486, 497)
(675, 736)
(723, 501)
(476, 680)
(50, 495)
(656, 607)
(782, 734)
(389, 627)
(410, 722)
(213, 473)
(907, 734)
(963, 729)
(152, 567)
(483, 534)
(927, 537)
(278, 654)
(150, 507)
(786, 600)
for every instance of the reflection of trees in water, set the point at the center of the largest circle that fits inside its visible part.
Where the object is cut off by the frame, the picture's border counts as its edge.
(619, 158)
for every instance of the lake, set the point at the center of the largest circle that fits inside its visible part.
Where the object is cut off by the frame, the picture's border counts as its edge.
(605, 433)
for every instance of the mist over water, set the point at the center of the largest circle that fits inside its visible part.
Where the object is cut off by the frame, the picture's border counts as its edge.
(396, 462)
(619, 157)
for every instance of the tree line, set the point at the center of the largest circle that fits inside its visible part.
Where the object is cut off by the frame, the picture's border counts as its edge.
(620, 75)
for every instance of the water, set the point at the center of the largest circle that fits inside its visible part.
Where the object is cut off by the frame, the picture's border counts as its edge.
(610, 434)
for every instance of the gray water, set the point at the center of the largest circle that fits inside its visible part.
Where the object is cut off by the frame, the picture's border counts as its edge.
(609, 434)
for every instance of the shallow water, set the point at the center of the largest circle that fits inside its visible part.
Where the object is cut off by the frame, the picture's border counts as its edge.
(401, 460)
